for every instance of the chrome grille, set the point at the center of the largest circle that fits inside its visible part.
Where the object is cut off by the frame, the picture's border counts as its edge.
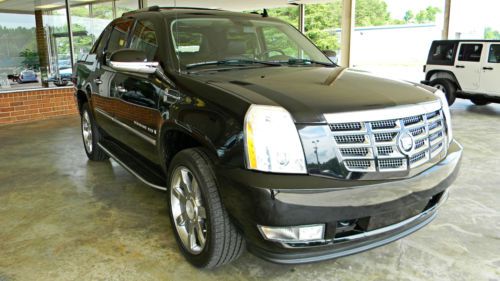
(372, 145)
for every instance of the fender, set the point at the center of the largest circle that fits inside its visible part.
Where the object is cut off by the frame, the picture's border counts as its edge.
(442, 74)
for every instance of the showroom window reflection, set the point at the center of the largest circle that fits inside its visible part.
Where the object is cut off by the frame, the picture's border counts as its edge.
(20, 51)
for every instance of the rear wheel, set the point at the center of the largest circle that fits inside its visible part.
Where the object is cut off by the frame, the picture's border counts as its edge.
(479, 101)
(447, 87)
(91, 136)
(203, 230)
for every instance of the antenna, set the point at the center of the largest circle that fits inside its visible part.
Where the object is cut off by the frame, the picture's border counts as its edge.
(265, 14)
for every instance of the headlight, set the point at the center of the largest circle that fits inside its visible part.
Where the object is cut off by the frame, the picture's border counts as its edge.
(272, 143)
(446, 112)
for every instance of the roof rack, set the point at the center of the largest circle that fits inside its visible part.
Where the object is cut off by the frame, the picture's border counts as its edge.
(147, 9)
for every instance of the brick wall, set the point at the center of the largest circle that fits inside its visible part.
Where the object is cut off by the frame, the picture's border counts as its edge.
(34, 105)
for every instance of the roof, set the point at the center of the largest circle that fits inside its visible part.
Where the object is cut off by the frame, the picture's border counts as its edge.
(468, 40)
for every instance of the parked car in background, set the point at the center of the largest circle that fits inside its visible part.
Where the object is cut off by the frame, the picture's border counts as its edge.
(63, 77)
(468, 69)
(259, 140)
(27, 76)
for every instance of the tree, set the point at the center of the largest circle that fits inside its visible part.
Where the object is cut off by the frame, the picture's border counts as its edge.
(409, 16)
(428, 15)
(30, 59)
(491, 34)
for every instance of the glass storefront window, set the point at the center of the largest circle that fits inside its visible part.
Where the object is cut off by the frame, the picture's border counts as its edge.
(50, 58)
(392, 37)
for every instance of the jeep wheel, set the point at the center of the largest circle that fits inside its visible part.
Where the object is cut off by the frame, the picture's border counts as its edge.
(448, 88)
(203, 230)
(91, 136)
(479, 101)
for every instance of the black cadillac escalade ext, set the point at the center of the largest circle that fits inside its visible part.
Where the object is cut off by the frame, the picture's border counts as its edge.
(259, 140)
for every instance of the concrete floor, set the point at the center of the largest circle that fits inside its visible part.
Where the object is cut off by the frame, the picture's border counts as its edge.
(64, 218)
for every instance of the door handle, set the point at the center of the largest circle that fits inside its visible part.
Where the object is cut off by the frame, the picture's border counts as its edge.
(488, 68)
(98, 81)
(171, 96)
(121, 89)
(460, 66)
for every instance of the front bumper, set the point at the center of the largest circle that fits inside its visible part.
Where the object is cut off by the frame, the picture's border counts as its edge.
(381, 211)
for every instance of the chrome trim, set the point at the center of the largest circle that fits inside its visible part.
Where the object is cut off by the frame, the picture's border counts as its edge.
(396, 112)
(136, 132)
(139, 67)
(130, 169)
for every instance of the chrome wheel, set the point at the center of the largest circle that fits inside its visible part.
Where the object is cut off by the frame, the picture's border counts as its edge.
(87, 131)
(188, 213)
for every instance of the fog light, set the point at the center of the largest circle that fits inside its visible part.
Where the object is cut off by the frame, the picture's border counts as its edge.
(301, 233)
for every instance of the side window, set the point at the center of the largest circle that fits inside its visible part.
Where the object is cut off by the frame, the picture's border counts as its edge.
(101, 42)
(118, 37)
(470, 52)
(144, 38)
(442, 53)
(494, 56)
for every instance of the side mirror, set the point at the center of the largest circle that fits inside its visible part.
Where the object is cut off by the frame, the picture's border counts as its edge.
(132, 61)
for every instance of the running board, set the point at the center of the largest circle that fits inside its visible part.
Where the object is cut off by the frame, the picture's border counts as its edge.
(134, 166)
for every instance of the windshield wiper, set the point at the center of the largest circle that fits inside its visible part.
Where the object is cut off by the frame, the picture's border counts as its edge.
(234, 62)
(308, 62)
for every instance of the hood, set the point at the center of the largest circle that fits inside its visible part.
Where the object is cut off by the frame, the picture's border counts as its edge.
(309, 92)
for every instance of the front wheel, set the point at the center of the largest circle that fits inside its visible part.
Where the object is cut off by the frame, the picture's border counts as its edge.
(447, 87)
(91, 136)
(205, 235)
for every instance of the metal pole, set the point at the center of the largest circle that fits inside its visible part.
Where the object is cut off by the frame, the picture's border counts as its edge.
(348, 17)
(143, 4)
(446, 24)
(70, 32)
(302, 18)
(113, 8)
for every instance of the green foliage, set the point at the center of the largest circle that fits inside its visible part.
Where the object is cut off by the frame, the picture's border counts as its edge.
(372, 13)
(321, 19)
(30, 59)
(428, 15)
(491, 34)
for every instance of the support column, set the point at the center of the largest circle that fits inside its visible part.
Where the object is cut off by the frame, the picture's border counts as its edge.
(42, 48)
(70, 32)
(302, 18)
(348, 17)
(446, 24)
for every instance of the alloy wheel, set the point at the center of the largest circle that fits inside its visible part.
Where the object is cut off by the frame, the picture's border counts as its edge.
(188, 212)
(87, 131)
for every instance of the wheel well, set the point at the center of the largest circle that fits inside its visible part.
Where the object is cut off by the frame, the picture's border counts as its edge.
(175, 141)
(442, 74)
(81, 98)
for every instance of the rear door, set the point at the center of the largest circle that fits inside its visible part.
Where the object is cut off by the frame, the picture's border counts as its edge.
(490, 76)
(468, 65)
(139, 96)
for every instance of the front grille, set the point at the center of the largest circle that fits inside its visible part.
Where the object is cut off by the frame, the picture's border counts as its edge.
(373, 145)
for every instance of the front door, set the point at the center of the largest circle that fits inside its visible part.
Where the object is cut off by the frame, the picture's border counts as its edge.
(139, 96)
(490, 76)
(468, 66)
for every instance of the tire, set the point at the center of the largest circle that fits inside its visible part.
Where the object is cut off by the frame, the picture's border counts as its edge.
(479, 101)
(222, 241)
(447, 86)
(91, 135)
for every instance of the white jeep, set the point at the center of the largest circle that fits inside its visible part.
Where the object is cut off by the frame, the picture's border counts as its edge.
(467, 69)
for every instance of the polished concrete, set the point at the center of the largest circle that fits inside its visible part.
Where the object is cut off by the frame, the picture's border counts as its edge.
(65, 218)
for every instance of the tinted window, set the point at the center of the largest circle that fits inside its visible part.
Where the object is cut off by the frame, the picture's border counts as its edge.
(442, 53)
(101, 42)
(119, 34)
(470, 52)
(144, 38)
(494, 56)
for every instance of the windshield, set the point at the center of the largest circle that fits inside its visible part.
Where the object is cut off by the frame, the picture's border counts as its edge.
(228, 41)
